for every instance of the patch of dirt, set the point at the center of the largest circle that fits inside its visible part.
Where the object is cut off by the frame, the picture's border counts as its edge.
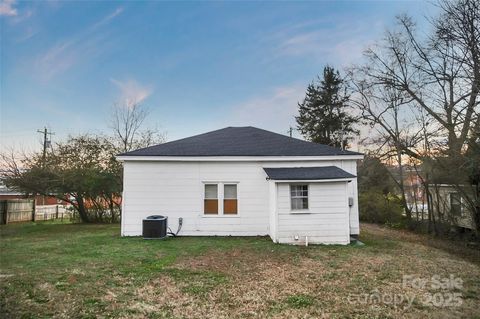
(246, 282)
(258, 285)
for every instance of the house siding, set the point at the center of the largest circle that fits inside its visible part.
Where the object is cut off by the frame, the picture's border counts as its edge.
(175, 189)
(325, 221)
(441, 204)
(349, 166)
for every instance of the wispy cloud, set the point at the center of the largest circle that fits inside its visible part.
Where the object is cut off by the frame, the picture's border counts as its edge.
(19, 19)
(57, 59)
(338, 41)
(131, 91)
(108, 18)
(325, 44)
(279, 104)
(22, 16)
(7, 8)
(68, 52)
(28, 33)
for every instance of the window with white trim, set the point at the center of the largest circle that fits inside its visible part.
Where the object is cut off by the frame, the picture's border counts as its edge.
(299, 196)
(210, 202)
(224, 193)
(230, 204)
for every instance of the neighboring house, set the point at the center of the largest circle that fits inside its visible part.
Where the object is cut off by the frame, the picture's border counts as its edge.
(415, 191)
(7, 193)
(244, 181)
(450, 206)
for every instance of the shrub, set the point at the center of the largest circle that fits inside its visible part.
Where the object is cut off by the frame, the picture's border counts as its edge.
(376, 207)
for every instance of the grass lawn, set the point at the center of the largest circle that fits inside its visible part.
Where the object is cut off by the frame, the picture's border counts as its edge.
(89, 271)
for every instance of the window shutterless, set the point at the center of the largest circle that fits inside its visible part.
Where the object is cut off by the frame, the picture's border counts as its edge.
(230, 204)
(224, 193)
(299, 197)
(211, 199)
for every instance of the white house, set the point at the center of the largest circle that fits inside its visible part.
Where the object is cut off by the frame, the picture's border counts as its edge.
(244, 181)
(451, 206)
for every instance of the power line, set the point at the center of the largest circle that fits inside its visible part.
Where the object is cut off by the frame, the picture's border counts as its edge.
(47, 141)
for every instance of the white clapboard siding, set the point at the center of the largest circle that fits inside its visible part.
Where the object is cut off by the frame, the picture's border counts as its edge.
(175, 189)
(349, 166)
(326, 220)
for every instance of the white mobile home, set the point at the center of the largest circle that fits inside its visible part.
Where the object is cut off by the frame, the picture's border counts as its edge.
(450, 206)
(244, 181)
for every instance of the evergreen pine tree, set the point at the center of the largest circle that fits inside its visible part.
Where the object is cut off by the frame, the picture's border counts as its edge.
(323, 116)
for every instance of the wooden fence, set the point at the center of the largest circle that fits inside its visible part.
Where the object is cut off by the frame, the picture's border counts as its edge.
(22, 210)
(16, 210)
(47, 212)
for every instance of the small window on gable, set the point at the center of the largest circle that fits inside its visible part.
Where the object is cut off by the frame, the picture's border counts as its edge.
(455, 204)
(211, 199)
(230, 202)
(299, 197)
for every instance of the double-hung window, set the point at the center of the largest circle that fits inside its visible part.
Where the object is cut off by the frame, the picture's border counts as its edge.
(224, 193)
(299, 196)
(211, 199)
(230, 205)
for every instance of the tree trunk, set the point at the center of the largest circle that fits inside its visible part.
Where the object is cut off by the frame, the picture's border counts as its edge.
(82, 211)
(476, 213)
(429, 206)
(112, 210)
(401, 184)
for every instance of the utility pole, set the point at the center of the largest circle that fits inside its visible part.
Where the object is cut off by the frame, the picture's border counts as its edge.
(46, 142)
(290, 131)
(342, 144)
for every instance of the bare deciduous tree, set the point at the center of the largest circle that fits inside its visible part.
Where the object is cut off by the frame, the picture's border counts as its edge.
(126, 122)
(439, 73)
(436, 77)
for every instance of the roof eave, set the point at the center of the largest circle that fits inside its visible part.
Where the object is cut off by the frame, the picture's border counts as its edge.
(126, 158)
(324, 180)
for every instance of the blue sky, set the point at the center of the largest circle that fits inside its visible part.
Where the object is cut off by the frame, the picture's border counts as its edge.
(197, 66)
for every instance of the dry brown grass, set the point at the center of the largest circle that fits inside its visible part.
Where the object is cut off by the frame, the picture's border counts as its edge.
(252, 278)
(260, 283)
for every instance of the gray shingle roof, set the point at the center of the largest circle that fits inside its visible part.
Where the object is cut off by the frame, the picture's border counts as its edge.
(307, 173)
(239, 141)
